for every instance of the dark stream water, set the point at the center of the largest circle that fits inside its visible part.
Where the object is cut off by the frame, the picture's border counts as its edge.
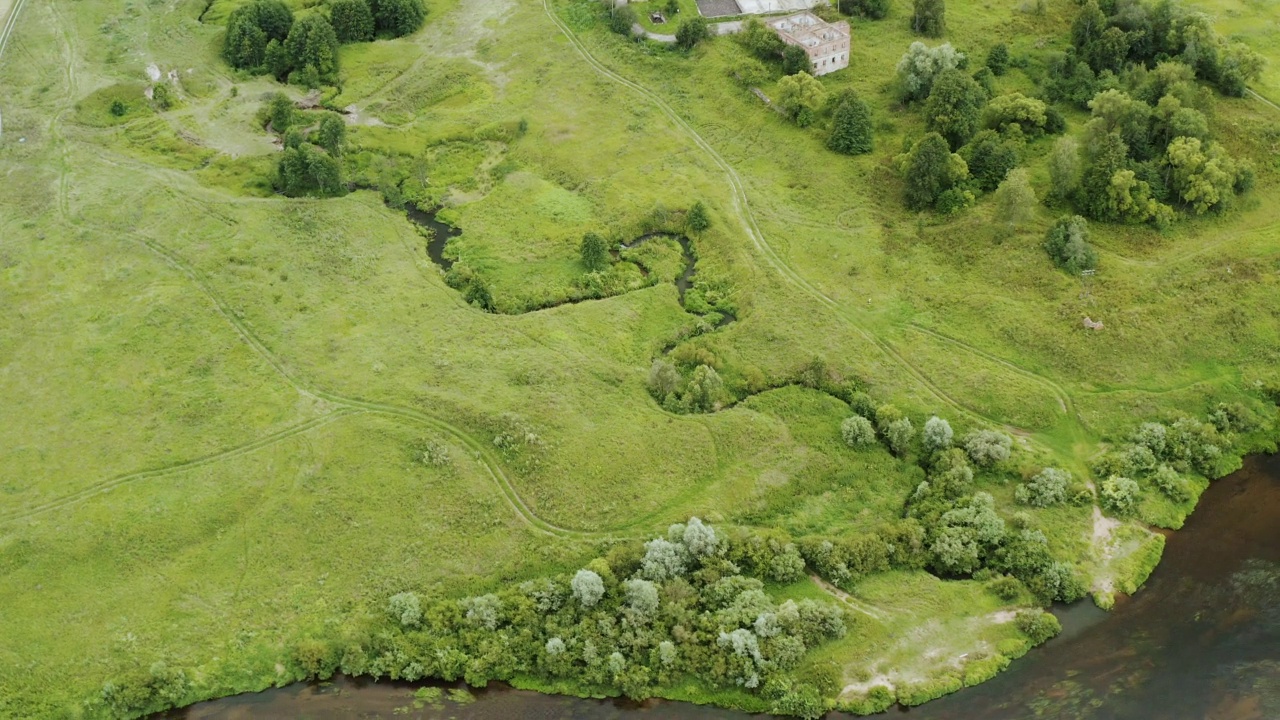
(1200, 641)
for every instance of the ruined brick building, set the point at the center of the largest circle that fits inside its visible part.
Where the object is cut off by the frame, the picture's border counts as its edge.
(826, 44)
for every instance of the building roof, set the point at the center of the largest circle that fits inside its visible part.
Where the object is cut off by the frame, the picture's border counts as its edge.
(809, 30)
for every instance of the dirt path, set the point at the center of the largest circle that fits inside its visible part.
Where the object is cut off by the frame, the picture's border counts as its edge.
(849, 600)
(742, 208)
(9, 10)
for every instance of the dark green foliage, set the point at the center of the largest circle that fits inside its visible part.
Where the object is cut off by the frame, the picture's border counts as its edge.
(1088, 26)
(118, 108)
(293, 138)
(621, 20)
(692, 31)
(398, 18)
(249, 29)
(762, 42)
(1006, 587)
(954, 108)
(998, 58)
(312, 46)
(929, 17)
(1071, 80)
(308, 170)
(698, 220)
(594, 251)
(352, 20)
(990, 157)
(928, 171)
(986, 79)
(1067, 243)
(794, 60)
(870, 9)
(1108, 155)
(1109, 51)
(1054, 121)
(276, 60)
(851, 127)
(332, 134)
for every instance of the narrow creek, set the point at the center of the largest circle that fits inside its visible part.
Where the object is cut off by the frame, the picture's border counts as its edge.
(1201, 640)
(441, 232)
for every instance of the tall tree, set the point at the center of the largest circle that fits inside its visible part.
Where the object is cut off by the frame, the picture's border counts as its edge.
(930, 169)
(1015, 200)
(955, 104)
(313, 45)
(851, 131)
(698, 220)
(398, 18)
(929, 18)
(352, 20)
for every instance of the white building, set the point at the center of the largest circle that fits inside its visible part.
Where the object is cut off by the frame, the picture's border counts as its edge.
(826, 44)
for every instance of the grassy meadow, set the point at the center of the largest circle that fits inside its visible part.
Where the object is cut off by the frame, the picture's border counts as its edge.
(217, 400)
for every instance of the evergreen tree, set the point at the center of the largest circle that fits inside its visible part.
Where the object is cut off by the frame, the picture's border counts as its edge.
(308, 170)
(698, 220)
(352, 20)
(398, 18)
(313, 45)
(954, 108)
(851, 131)
(249, 29)
(1109, 156)
(998, 58)
(929, 18)
(594, 251)
(930, 170)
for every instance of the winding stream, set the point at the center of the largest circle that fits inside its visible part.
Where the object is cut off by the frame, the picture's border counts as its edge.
(1201, 640)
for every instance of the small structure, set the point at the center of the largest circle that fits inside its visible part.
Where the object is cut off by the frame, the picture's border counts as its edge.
(826, 44)
(1092, 324)
(656, 18)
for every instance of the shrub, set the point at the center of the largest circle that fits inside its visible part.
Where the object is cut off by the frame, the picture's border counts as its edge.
(998, 58)
(1004, 110)
(352, 20)
(799, 93)
(1015, 200)
(1037, 625)
(987, 447)
(1067, 243)
(1064, 169)
(929, 17)
(989, 158)
(622, 20)
(1006, 588)
(870, 9)
(1045, 489)
(332, 134)
(857, 432)
(898, 436)
(937, 435)
(664, 379)
(692, 31)
(587, 587)
(406, 609)
(1173, 485)
(705, 389)
(398, 18)
(698, 220)
(1119, 494)
(594, 252)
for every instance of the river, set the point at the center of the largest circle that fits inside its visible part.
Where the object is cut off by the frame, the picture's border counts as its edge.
(1201, 640)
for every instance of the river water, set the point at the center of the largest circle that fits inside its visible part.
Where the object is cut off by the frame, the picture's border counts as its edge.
(1201, 641)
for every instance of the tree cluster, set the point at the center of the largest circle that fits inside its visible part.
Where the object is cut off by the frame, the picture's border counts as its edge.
(929, 17)
(1067, 242)
(313, 142)
(262, 37)
(698, 389)
(1140, 35)
(870, 9)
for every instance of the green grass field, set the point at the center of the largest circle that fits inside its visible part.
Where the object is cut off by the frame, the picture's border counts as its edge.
(216, 397)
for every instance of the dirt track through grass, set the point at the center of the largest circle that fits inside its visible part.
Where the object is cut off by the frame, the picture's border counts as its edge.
(742, 208)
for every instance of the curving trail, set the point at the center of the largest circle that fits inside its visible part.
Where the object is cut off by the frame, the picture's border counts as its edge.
(742, 208)
(481, 453)
(107, 485)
